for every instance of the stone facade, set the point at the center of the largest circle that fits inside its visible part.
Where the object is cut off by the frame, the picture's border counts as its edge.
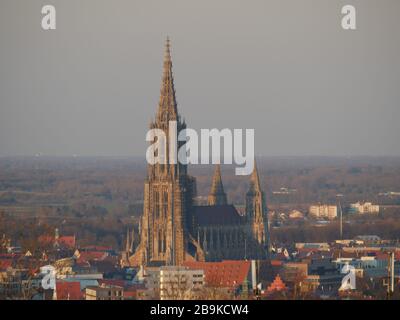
(173, 229)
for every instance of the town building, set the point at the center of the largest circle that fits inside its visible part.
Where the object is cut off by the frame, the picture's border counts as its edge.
(323, 211)
(296, 214)
(104, 292)
(180, 282)
(322, 275)
(277, 286)
(369, 266)
(173, 282)
(361, 208)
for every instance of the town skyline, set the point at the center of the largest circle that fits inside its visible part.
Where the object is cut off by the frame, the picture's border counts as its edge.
(263, 164)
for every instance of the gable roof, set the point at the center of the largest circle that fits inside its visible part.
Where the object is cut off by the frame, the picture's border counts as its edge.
(86, 256)
(277, 285)
(226, 273)
(216, 215)
(65, 241)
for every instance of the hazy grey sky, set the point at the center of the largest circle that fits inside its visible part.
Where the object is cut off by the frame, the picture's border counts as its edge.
(285, 68)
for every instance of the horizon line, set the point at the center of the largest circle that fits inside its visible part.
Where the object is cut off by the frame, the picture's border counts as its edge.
(142, 156)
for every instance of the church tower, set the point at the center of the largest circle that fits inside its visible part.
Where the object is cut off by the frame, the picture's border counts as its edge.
(256, 210)
(168, 190)
(217, 196)
(172, 229)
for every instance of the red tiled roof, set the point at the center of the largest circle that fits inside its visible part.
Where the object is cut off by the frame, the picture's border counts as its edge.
(277, 285)
(216, 215)
(67, 241)
(5, 264)
(91, 255)
(68, 290)
(227, 273)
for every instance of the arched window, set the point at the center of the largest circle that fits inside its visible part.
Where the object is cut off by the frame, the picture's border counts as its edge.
(156, 204)
(165, 203)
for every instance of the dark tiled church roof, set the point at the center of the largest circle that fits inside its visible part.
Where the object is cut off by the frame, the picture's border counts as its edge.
(216, 215)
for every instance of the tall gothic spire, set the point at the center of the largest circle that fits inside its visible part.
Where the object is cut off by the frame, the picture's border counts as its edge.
(217, 194)
(167, 106)
(166, 113)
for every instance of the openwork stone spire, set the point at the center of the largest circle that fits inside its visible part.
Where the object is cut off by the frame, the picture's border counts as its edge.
(217, 194)
(167, 106)
(168, 190)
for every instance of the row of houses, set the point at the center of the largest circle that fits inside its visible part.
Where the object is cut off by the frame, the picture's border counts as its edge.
(330, 212)
(326, 211)
(303, 270)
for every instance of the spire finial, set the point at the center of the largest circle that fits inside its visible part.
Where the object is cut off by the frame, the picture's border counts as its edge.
(217, 180)
(167, 93)
(167, 51)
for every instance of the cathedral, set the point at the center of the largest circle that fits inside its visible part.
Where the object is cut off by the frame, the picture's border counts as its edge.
(173, 229)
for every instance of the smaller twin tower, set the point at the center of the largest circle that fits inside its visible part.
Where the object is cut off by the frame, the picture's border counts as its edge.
(173, 229)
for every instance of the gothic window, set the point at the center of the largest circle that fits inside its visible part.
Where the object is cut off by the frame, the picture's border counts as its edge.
(160, 242)
(164, 243)
(156, 204)
(165, 203)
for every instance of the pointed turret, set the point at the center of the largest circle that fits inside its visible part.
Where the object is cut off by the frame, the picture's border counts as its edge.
(255, 185)
(217, 194)
(256, 210)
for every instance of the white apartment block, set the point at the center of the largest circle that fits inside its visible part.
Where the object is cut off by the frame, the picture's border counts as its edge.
(173, 282)
(366, 207)
(323, 211)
